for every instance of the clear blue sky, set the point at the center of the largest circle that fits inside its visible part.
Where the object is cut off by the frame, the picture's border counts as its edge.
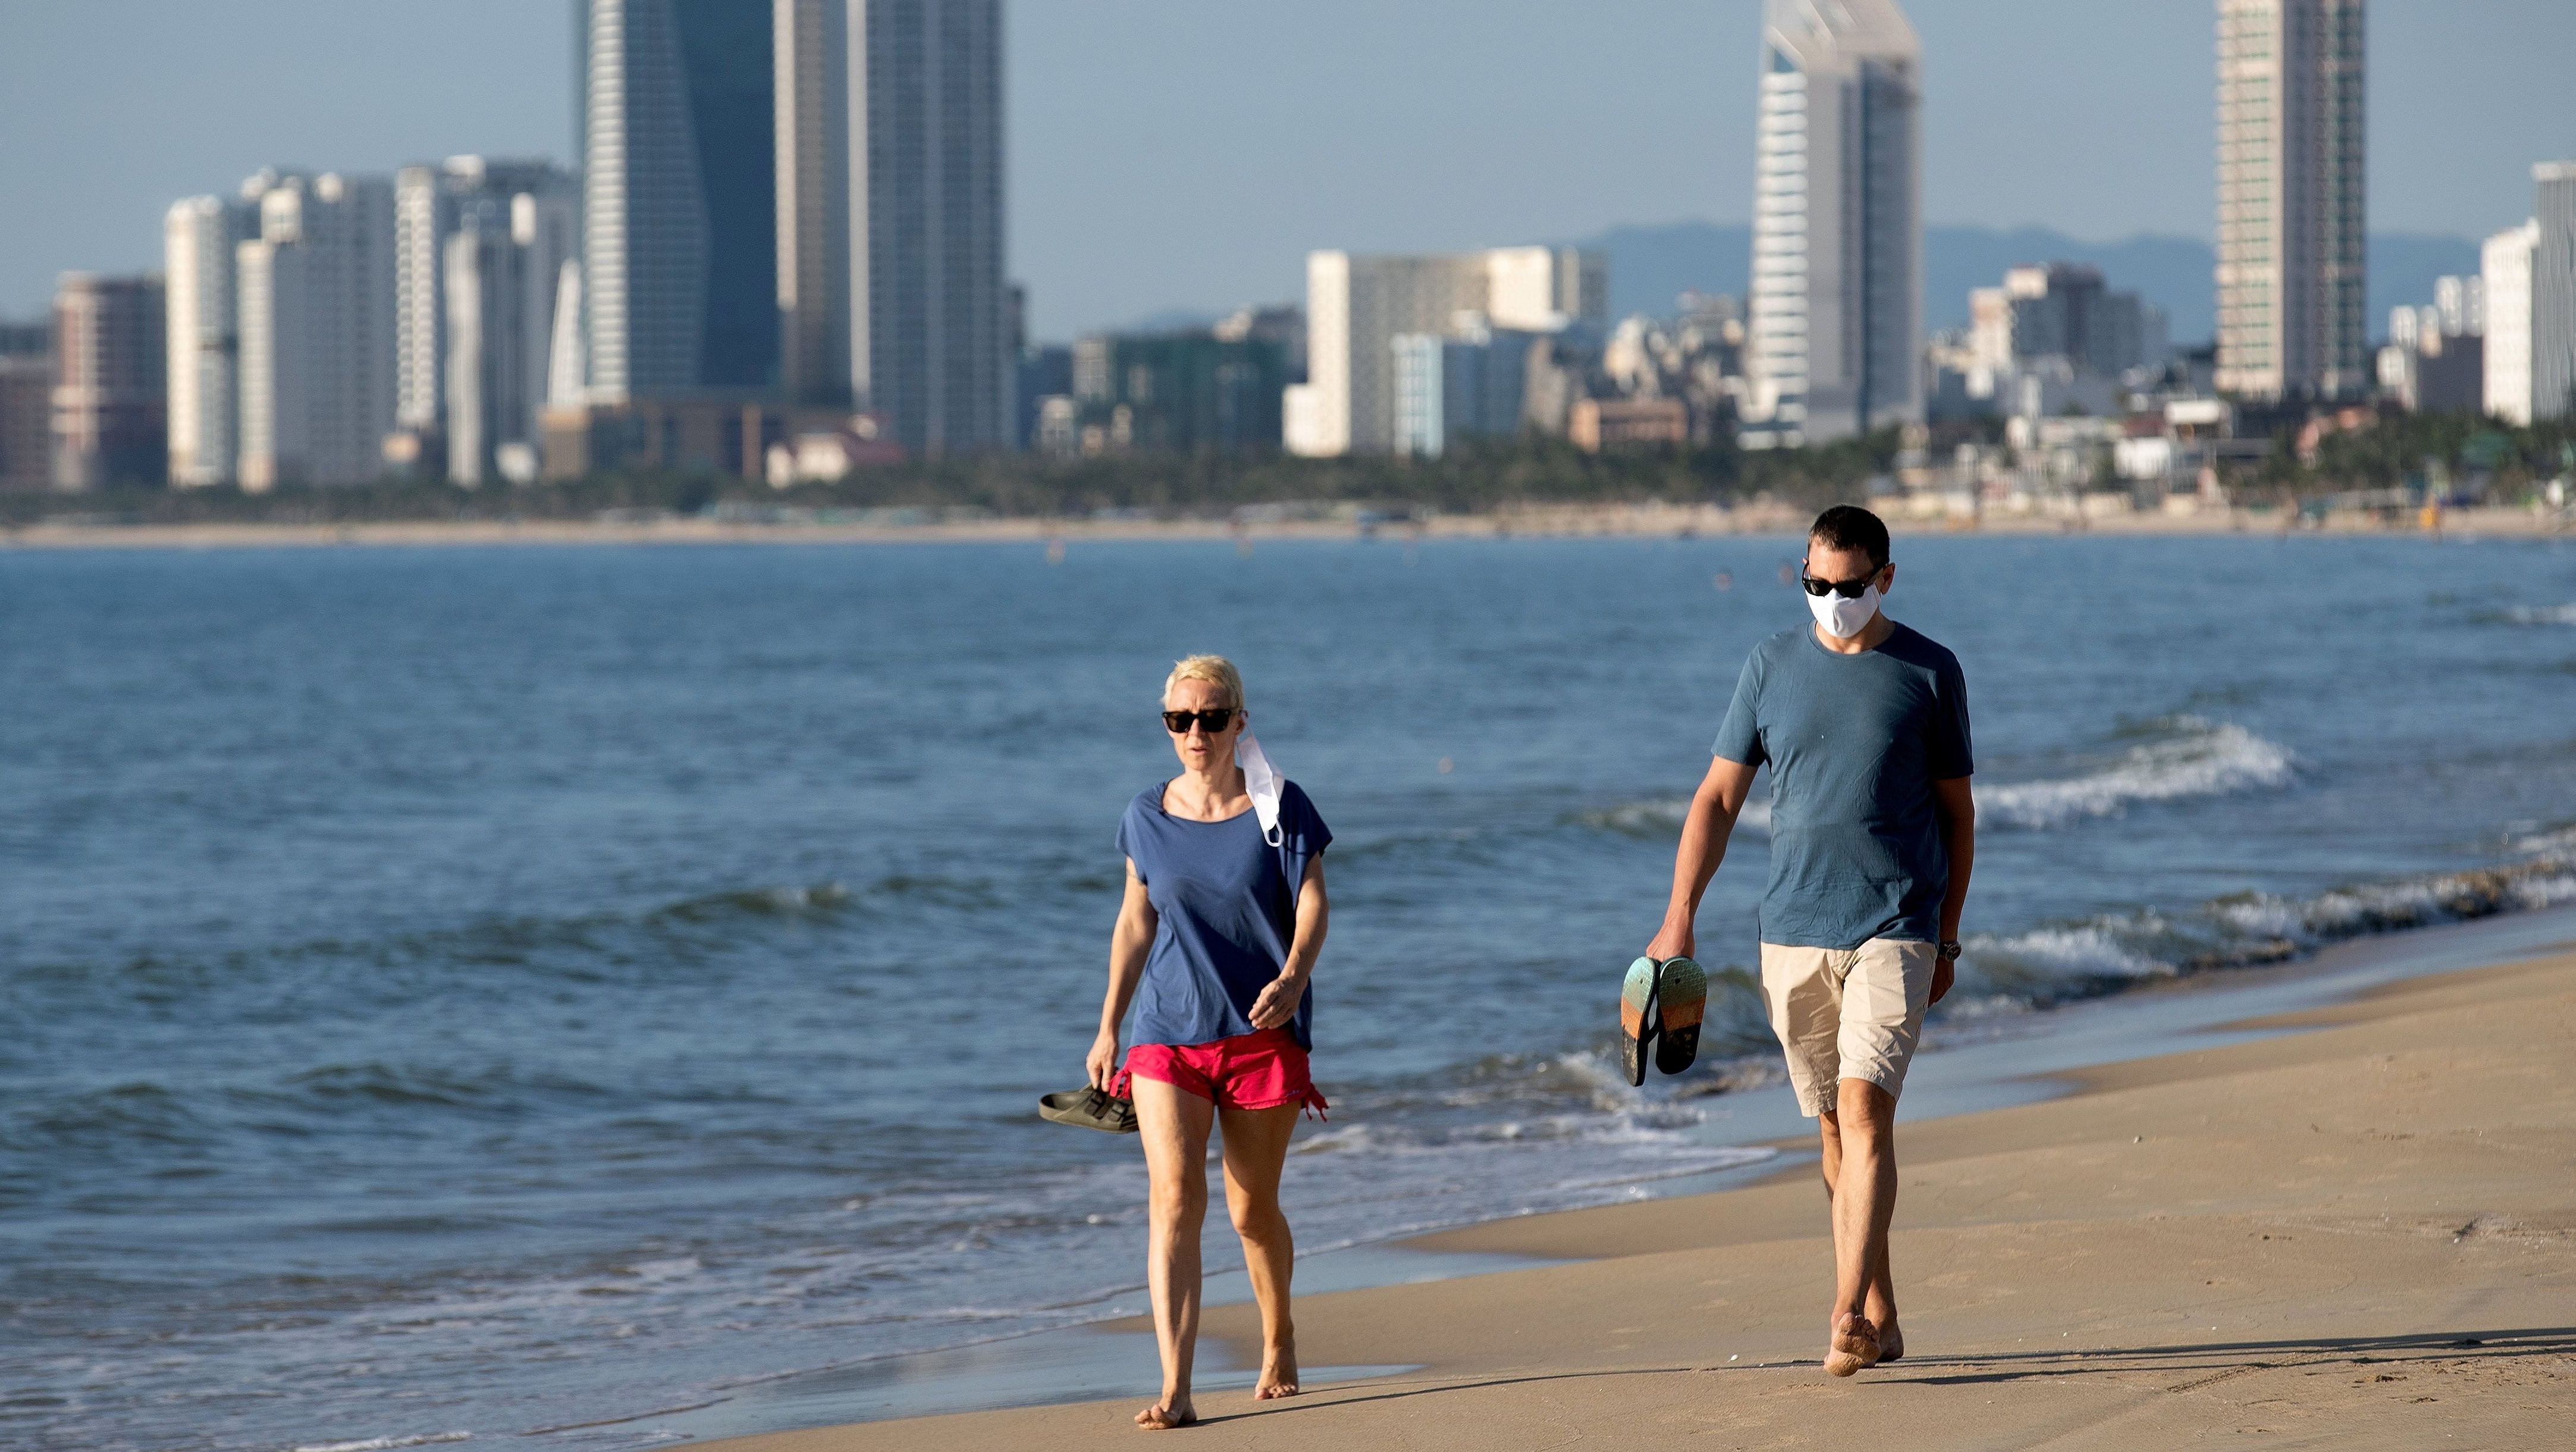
(1186, 153)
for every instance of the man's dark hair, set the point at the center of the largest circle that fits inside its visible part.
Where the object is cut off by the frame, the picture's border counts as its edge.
(1850, 527)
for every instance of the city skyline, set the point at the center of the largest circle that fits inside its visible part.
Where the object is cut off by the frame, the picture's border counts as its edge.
(1201, 180)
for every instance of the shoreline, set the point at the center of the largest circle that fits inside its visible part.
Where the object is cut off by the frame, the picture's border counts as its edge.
(1521, 1268)
(1637, 521)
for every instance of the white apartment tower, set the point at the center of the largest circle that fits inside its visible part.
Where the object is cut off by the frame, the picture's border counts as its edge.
(2291, 213)
(316, 307)
(1357, 307)
(501, 281)
(198, 240)
(428, 204)
(2505, 266)
(1836, 295)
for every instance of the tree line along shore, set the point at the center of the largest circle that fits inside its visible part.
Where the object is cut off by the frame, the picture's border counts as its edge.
(2395, 460)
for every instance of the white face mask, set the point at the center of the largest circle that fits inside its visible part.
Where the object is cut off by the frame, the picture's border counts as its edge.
(1843, 618)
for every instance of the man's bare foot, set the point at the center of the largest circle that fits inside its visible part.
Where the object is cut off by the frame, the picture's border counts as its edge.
(1166, 1414)
(1854, 1345)
(1278, 1374)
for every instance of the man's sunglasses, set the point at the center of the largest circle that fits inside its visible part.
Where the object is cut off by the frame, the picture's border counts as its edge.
(1848, 589)
(1212, 722)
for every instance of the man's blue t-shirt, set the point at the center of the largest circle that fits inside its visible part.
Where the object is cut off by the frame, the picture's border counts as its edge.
(1854, 743)
(1225, 903)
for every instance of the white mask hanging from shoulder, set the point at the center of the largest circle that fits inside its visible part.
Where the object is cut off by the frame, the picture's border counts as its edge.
(1841, 618)
(1262, 781)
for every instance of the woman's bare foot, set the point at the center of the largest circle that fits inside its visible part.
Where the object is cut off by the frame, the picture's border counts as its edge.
(1278, 1373)
(1854, 1345)
(1166, 1414)
(1891, 1344)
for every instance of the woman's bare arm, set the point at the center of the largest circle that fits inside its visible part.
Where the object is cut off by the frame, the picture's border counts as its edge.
(1279, 997)
(1128, 943)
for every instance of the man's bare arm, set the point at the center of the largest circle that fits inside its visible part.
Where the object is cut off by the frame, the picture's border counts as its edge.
(1705, 829)
(1956, 808)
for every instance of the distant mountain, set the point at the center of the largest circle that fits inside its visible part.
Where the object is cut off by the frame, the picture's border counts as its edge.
(1652, 265)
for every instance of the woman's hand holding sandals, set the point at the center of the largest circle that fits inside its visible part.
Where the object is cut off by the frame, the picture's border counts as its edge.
(1102, 1061)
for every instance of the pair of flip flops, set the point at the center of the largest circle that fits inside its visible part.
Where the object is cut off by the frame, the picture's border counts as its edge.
(1660, 1007)
(1089, 1107)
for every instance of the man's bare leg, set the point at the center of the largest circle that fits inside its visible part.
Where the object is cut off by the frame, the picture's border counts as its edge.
(1880, 1307)
(1256, 1146)
(1174, 1125)
(1864, 1202)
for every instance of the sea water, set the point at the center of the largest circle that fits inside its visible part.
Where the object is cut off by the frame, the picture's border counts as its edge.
(463, 992)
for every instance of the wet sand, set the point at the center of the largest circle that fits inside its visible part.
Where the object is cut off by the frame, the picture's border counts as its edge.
(2359, 1234)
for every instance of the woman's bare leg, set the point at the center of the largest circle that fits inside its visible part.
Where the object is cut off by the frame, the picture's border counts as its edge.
(1174, 1124)
(1256, 1146)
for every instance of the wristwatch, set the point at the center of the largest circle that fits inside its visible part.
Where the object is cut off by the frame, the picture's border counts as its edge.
(1948, 951)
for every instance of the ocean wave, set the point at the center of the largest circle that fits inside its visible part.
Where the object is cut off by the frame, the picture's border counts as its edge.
(2539, 615)
(1662, 816)
(385, 1444)
(2199, 758)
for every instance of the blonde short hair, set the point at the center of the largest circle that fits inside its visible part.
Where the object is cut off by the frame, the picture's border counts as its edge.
(1216, 670)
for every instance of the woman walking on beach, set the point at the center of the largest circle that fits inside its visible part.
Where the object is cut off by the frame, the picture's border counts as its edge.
(1215, 944)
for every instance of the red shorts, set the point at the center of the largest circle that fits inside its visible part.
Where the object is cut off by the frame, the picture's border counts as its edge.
(1260, 1070)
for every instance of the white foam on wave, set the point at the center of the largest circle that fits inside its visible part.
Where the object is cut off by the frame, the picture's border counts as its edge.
(2202, 759)
(1653, 818)
(385, 1444)
(2542, 614)
(2104, 947)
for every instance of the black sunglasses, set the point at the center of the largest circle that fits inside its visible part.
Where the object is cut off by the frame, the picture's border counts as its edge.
(1212, 721)
(1848, 589)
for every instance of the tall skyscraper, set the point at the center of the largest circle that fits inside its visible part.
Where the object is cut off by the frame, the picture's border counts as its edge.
(1836, 297)
(813, 125)
(110, 362)
(502, 273)
(26, 406)
(1357, 306)
(681, 223)
(199, 237)
(2505, 270)
(317, 331)
(929, 308)
(2291, 214)
(2553, 292)
(428, 203)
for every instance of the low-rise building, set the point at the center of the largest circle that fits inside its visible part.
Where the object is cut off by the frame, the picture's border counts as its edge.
(110, 398)
(1597, 424)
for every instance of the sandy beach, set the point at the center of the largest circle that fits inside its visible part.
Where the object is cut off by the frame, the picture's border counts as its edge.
(2359, 1232)
(1643, 521)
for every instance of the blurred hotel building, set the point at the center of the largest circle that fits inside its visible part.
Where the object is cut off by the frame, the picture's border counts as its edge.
(1836, 300)
(316, 323)
(1357, 306)
(26, 406)
(525, 217)
(2291, 214)
(2435, 357)
(200, 237)
(2531, 305)
(110, 356)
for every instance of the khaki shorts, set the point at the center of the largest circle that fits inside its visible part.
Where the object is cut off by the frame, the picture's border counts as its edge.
(1847, 1013)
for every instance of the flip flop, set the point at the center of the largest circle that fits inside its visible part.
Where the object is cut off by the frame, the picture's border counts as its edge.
(1681, 998)
(1089, 1107)
(1638, 1022)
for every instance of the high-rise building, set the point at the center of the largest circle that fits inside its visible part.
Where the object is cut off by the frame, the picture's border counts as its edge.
(2291, 215)
(502, 280)
(2505, 268)
(429, 201)
(929, 307)
(110, 360)
(1466, 384)
(2553, 292)
(1181, 392)
(812, 69)
(680, 218)
(317, 331)
(1357, 306)
(26, 406)
(1836, 298)
(199, 238)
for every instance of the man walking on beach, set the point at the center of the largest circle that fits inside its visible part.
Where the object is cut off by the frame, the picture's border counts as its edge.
(1864, 724)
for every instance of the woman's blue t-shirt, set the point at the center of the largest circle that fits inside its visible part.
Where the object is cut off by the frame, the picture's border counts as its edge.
(1225, 903)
